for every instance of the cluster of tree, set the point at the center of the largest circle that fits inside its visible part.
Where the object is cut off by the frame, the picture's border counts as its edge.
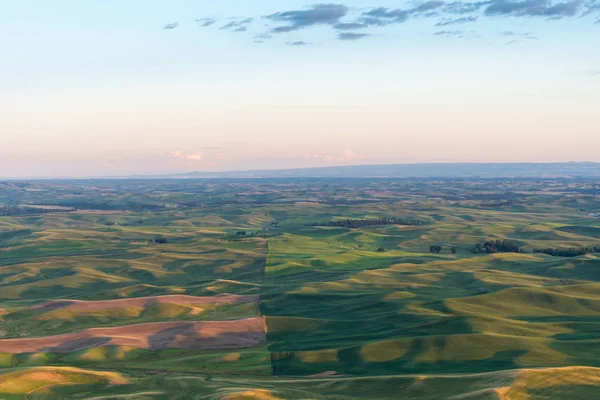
(108, 203)
(359, 223)
(241, 233)
(435, 249)
(438, 249)
(498, 204)
(15, 210)
(497, 246)
(570, 252)
(159, 240)
(345, 202)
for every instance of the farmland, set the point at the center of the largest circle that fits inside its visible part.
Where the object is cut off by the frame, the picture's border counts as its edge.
(300, 289)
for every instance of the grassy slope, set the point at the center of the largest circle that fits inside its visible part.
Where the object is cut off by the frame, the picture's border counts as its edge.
(401, 323)
(337, 304)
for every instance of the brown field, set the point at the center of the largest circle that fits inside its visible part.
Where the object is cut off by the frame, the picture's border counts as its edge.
(211, 335)
(142, 302)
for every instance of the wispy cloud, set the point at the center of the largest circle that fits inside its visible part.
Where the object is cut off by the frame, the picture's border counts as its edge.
(352, 36)
(205, 22)
(350, 26)
(299, 43)
(457, 34)
(263, 36)
(346, 155)
(318, 14)
(456, 21)
(427, 6)
(522, 35)
(197, 156)
(171, 26)
(238, 25)
(382, 16)
(462, 7)
(347, 21)
(591, 7)
(449, 33)
(534, 8)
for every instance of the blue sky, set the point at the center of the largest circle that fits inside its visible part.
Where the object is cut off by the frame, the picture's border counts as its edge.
(100, 87)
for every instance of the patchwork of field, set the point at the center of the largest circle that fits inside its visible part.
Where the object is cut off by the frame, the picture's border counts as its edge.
(345, 309)
(268, 290)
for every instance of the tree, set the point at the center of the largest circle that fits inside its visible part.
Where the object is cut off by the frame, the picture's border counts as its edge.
(359, 223)
(160, 240)
(453, 250)
(497, 246)
(570, 252)
(435, 249)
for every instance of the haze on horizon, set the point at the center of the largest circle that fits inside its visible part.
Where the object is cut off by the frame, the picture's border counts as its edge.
(103, 88)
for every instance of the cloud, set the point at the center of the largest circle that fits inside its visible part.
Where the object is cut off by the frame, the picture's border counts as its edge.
(461, 7)
(427, 6)
(382, 16)
(346, 155)
(204, 22)
(263, 36)
(189, 156)
(524, 35)
(318, 14)
(591, 8)
(237, 26)
(349, 26)
(346, 21)
(458, 34)
(352, 36)
(533, 8)
(171, 26)
(449, 33)
(456, 21)
(299, 43)
(230, 25)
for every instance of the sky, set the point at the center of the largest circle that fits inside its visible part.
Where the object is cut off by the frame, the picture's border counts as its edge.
(111, 87)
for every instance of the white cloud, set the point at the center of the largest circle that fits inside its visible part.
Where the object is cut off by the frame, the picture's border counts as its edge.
(346, 155)
(197, 156)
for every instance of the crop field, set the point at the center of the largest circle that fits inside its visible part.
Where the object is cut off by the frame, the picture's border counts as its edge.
(479, 289)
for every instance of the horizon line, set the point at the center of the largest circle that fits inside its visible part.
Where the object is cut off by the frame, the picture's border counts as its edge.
(274, 170)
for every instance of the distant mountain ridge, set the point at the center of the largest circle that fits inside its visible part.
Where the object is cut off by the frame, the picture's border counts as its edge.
(429, 170)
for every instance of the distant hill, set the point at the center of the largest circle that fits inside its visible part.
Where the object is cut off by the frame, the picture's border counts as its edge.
(441, 170)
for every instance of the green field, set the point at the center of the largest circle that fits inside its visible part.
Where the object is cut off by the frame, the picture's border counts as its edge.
(351, 312)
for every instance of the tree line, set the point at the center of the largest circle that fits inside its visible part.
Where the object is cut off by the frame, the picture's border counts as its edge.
(505, 246)
(570, 252)
(436, 249)
(359, 223)
(496, 246)
(15, 210)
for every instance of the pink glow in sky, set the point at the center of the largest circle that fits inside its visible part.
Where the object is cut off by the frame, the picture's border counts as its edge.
(96, 92)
